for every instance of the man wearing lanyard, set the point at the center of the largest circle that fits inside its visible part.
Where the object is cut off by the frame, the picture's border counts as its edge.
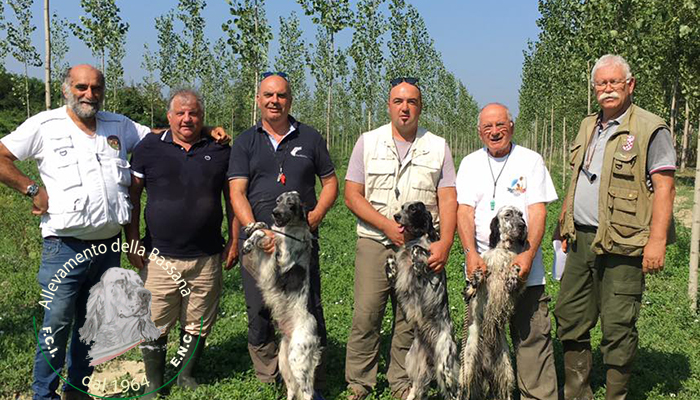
(277, 155)
(503, 173)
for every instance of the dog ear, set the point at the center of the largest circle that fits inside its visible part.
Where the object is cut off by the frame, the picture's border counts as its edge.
(93, 319)
(522, 238)
(495, 236)
(433, 234)
(109, 308)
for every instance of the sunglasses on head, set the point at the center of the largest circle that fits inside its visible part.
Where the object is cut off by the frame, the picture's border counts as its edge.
(410, 81)
(282, 75)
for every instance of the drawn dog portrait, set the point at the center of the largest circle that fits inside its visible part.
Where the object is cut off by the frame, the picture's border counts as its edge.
(118, 315)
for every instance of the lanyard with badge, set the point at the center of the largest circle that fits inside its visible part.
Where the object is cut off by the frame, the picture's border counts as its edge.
(281, 178)
(495, 179)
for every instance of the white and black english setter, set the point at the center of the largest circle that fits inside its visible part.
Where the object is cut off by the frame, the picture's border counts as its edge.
(118, 315)
(490, 299)
(422, 295)
(283, 279)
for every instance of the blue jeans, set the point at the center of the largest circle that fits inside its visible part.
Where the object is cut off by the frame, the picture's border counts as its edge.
(69, 305)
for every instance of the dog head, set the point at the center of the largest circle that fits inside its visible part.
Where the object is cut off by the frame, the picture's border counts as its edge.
(289, 210)
(416, 221)
(508, 230)
(119, 294)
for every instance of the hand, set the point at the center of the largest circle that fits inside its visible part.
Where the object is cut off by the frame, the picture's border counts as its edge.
(218, 133)
(654, 255)
(314, 218)
(392, 232)
(40, 202)
(136, 260)
(230, 254)
(564, 245)
(474, 262)
(524, 261)
(439, 252)
(269, 244)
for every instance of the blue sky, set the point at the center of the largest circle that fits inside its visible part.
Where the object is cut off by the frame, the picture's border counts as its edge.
(481, 41)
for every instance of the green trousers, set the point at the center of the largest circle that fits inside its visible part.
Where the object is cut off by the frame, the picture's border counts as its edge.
(608, 286)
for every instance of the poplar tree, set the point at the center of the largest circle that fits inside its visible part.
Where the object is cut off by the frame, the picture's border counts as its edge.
(99, 27)
(59, 49)
(19, 38)
(292, 59)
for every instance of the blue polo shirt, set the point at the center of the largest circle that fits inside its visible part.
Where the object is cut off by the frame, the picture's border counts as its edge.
(183, 208)
(301, 154)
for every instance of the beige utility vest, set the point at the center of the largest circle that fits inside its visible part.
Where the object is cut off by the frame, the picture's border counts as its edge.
(389, 183)
(625, 200)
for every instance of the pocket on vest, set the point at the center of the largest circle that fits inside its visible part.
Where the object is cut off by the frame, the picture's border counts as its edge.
(71, 212)
(623, 164)
(624, 200)
(67, 166)
(123, 210)
(122, 172)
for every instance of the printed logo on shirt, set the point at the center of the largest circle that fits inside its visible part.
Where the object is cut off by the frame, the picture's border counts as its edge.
(114, 142)
(207, 157)
(518, 186)
(295, 152)
(627, 146)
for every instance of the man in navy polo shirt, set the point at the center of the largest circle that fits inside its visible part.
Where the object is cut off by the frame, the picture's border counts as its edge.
(277, 155)
(184, 174)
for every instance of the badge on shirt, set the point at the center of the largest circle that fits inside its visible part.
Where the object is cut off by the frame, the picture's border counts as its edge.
(114, 142)
(518, 186)
(627, 146)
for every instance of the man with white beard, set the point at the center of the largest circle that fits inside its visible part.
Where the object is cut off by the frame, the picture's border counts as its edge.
(81, 155)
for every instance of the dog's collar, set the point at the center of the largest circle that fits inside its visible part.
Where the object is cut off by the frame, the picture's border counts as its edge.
(289, 236)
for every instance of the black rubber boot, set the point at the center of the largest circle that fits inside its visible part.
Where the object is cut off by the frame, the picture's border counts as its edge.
(186, 379)
(154, 360)
(578, 362)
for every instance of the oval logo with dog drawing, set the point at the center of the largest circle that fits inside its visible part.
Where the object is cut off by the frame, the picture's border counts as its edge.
(118, 319)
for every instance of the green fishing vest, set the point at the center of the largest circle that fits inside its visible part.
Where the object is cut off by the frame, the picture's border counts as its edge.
(625, 200)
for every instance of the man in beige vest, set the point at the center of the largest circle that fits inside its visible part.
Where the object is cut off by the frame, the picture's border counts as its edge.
(393, 164)
(617, 221)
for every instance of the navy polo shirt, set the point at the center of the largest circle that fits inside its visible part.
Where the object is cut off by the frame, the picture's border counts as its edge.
(302, 155)
(183, 209)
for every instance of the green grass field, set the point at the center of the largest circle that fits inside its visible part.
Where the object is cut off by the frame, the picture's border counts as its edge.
(667, 364)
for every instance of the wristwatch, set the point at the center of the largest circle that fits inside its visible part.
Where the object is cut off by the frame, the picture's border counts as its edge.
(32, 190)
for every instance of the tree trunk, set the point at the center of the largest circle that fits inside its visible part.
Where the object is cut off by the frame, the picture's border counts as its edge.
(589, 87)
(534, 141)
(673, 115)
(551, 140)
(563, 154)
(330, 93)
(257, 71)
(47, 59)
(686, 135)
(26, 87)
(695, 238)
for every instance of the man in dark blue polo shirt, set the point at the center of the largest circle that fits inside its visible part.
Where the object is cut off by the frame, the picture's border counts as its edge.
(277, 155)
(184, 174)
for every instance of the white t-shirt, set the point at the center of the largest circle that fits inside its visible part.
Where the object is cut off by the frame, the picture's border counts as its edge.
(524, 181)
(85, 176)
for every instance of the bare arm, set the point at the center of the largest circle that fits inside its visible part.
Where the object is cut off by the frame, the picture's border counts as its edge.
(11, 176)
(356, 202)
(466, 228)
(132, 229)
(447, 206)
(241, 207)
(536, 219)
(230, 254)
(329, 192)
(661, 212)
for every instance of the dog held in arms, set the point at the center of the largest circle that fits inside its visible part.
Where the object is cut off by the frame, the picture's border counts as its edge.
(283, 279)
(422, 295)
(118, 314)
(490, 299)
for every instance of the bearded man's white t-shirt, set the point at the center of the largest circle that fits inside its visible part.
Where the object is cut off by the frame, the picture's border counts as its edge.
(523, 181)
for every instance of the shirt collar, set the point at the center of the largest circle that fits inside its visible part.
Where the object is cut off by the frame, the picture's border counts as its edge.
(167, 137)
(293, 126)
(616, 121)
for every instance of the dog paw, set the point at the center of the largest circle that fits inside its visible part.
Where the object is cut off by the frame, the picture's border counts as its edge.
(254, 226)
(390, 268)
(247, 246)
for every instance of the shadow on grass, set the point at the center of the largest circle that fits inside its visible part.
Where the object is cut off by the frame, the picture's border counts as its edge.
(658, 371)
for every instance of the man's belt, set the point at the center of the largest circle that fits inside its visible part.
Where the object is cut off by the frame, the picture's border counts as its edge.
(586, 228)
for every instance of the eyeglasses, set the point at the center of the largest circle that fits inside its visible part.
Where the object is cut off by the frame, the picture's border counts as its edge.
(615, 83)
(267, 74)
(410, 81)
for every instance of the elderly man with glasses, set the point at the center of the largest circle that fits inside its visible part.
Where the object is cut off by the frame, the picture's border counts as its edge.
(503, 173)
(393, 164)
(277, 155)
(617, 219)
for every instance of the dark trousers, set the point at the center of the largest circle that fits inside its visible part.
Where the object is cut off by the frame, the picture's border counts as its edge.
(608, 286)
(261, 331)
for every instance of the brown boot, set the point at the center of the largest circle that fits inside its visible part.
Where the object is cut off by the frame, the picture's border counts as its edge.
(616, 380)
(578, 362)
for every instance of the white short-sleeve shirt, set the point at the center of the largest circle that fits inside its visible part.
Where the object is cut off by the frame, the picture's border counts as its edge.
(81, 173)
(524, 180)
